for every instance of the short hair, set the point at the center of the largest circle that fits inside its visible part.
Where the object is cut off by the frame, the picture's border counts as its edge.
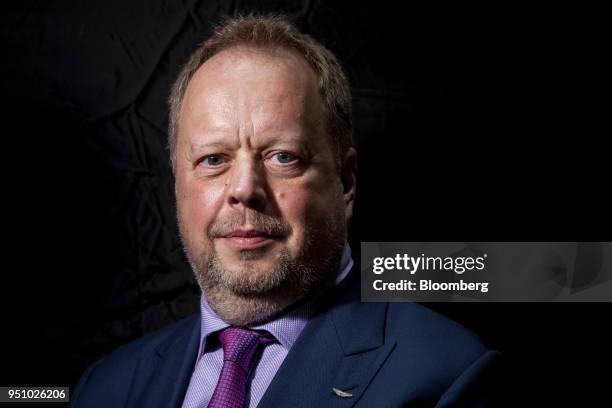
(270, 32)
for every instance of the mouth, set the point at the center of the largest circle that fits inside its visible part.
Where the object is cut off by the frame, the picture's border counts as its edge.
(249, 239)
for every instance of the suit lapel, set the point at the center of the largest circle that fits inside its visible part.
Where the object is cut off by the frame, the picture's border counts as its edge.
(164, 373)
(341, 347)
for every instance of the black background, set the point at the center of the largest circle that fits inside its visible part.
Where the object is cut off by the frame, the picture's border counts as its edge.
(473, 123)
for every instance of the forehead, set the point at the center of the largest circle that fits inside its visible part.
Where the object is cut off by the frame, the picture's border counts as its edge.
(273, 88)
(279, 66)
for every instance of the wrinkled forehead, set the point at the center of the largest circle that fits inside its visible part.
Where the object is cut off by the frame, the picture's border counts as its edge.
(273, 88)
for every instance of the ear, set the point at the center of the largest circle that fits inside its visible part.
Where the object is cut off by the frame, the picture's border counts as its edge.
(349, 181)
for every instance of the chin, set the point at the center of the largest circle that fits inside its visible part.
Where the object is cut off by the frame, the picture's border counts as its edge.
(246, 310)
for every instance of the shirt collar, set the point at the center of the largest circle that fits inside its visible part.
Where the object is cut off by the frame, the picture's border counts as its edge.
(287, 327)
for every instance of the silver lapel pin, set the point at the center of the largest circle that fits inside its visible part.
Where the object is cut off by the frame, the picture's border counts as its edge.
(341, 393)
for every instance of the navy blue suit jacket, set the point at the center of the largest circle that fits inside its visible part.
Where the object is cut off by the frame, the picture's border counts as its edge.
(383, 354)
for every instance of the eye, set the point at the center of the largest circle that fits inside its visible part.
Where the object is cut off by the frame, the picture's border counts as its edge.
(213, 160)
(285, 158)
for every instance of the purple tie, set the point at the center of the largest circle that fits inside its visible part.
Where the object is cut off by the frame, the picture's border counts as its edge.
(239, 348)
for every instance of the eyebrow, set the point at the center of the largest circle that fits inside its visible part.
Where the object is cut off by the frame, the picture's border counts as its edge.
(301, 139)
(195, 147)
(200, 146)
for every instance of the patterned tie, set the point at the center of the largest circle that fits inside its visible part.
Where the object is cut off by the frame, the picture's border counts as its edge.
(239, 348)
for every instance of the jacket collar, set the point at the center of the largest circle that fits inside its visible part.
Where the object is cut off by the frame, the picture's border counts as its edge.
(162, 377)
(342, 347)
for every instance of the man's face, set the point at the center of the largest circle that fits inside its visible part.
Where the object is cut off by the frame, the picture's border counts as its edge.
(262, 207)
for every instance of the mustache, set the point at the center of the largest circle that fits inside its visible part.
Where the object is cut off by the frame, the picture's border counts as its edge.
(269, 225)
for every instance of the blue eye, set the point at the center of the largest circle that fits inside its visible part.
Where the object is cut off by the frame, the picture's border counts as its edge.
(213, 160)
(285, 158)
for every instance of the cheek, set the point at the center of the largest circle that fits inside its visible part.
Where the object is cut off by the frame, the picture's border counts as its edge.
(305, 203)
(293, 203)
(197, 205)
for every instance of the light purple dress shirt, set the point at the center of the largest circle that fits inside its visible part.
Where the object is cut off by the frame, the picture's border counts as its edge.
(286, 329)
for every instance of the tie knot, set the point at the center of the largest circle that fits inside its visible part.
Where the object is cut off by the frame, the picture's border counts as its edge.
(240, 345)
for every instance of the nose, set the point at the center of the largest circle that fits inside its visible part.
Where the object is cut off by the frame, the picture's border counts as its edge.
(247, 186)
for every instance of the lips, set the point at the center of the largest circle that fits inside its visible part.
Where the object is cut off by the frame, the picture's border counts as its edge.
(251, 233)
(249, 238)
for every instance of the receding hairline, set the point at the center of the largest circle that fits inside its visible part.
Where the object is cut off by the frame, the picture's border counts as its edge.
(271, 34)
(276, 51)
(244, 51)
(240, 51)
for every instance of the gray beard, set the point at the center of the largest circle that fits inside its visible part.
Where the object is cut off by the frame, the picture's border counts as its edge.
(241, 298)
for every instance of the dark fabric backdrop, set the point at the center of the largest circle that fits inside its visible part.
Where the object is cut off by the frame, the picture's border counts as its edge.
(473, 123)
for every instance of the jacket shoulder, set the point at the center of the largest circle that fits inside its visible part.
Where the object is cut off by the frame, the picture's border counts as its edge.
(116, 370)
(443, 337)
(435, 358)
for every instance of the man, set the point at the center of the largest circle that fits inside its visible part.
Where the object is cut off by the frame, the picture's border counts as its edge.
(260, 145)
